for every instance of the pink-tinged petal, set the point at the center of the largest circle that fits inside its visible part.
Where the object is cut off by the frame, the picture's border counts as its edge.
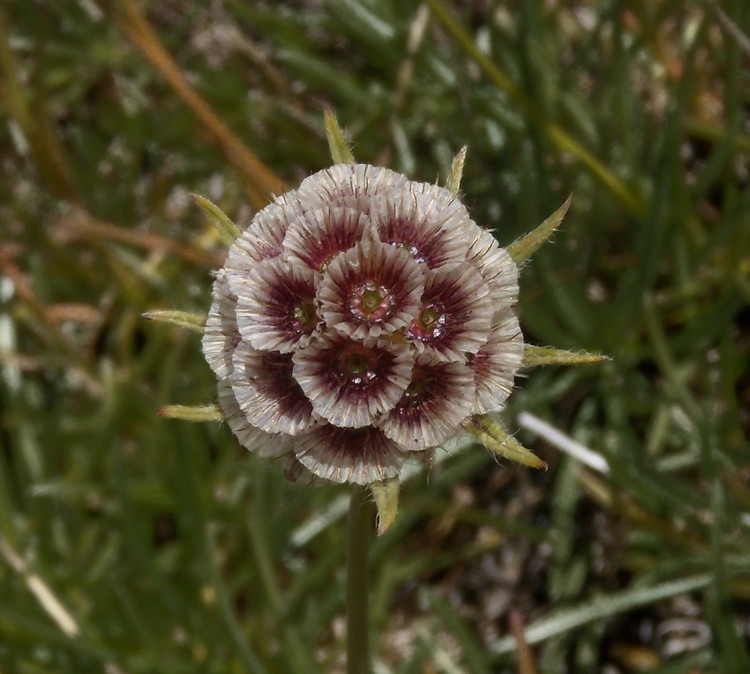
(342, 183)
(269, 445)
(371, 290)
(359, 455)
(267, 394)
(321, 234)
(497, 362)
(349, 383)
(220, 336)
(262, 240)
(495, 265)
(276, 308)
(456, 313)
(440, 196)
(439, 397)
(434, 231)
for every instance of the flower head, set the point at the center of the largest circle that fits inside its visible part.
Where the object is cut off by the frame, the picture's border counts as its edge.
(361, 319)
(364, 318)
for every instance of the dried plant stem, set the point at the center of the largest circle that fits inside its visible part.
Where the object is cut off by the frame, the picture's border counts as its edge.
(260, 178)
(44, 595)
(359, 532)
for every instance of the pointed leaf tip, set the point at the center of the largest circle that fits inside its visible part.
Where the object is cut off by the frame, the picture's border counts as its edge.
(198, 413)
(228, 231)
(340, 150)
(386, 499)
(457, 171)
(534, 356)
(182, 319)
(494, 437)
(522, 249)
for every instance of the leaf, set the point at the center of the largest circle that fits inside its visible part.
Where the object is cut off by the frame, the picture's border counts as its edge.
(386, 499)
(340, 151)
(494, 437)
(228, 231)
(522, 249)
(199, 413)
(182, 319)
(457, 171)
(601, 607)
(533, 356)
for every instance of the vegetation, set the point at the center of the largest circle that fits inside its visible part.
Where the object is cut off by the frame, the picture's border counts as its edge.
(133, 543)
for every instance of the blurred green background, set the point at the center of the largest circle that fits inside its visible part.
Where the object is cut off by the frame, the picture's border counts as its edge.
(132, 543)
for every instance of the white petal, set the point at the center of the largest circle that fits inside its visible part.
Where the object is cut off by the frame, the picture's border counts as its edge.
(317, 237)
(359, 455)
(267, 393)
(337, 184)
(434, 230)
(372, 267)
(496, 363)
(440, 397)
(456, 313)
(495, 265)
(263, 444)
(351, 384)
(276, 308)
(262, 240)
(220, 336)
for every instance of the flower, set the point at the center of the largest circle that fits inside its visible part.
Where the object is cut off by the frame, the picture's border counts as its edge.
(364, 318)
(359, 320)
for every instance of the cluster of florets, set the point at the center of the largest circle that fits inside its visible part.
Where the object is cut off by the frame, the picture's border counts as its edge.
(359, 319)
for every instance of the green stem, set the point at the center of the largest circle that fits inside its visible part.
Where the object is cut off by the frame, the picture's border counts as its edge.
(358, 536)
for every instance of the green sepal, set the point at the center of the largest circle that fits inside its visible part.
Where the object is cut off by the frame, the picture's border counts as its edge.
(228, 231)
(199, 413)
(522, 249)
(182, 319)
(340, 151)
(533, 356)
(385, 494)
(457, 171)
(487, 431)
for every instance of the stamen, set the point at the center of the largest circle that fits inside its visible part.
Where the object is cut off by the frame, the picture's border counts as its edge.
(305, 318)
(429, 324)
(372, 303)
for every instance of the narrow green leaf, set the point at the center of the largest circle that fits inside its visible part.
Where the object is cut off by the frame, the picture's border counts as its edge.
(601, 607)
(182, 319)
(192, 412)
(228, 231)
(386, 499)
(533, 356)
(457, 171)
(494, 437)
(561, 138)
(522, 249)
(340, 151)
